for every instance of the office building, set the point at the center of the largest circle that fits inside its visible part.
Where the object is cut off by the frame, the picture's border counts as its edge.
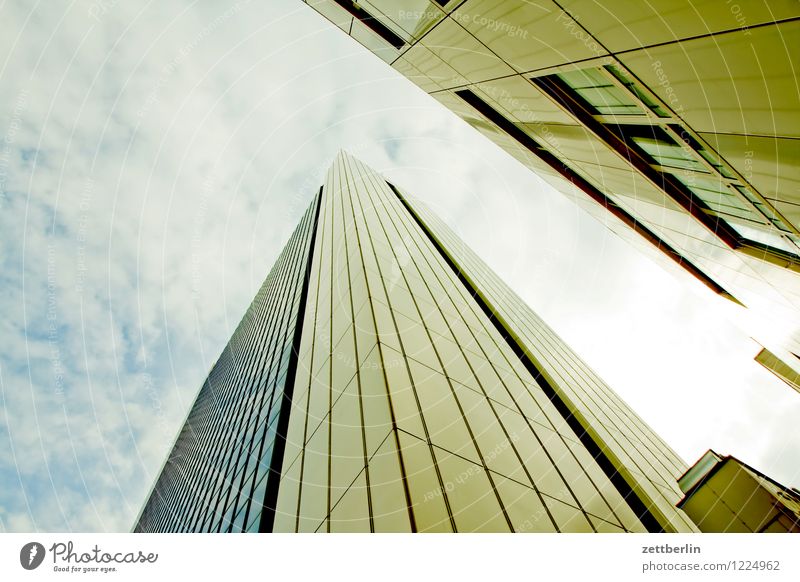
(385, 379)
(724, 495)
(674, 122)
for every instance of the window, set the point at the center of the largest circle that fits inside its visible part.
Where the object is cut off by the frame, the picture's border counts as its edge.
(663, 150)
(372, 23)
(633, 88)
(634, 124)
(721, 197)
(601, 92)
(756, 233)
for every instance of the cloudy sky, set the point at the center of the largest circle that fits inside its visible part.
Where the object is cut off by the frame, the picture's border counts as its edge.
(155, 156)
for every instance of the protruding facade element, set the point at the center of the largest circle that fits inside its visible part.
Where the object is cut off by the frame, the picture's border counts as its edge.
(725, 495)
(675, 123)
(780, 368)
(223, 466)
(385, 379)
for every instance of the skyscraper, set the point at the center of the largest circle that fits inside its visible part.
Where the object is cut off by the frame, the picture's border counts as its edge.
(385, 379)
(673, 122)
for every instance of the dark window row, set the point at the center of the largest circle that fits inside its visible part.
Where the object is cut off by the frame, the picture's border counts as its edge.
(594, 193)
(631, 122)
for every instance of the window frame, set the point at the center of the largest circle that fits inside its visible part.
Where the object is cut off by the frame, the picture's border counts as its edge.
(617, 131)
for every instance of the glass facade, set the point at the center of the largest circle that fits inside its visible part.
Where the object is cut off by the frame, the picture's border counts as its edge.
(220, 473)
(386, 380)
(675, 126)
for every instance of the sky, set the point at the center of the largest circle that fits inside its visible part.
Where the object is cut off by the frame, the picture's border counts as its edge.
(155, 157)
